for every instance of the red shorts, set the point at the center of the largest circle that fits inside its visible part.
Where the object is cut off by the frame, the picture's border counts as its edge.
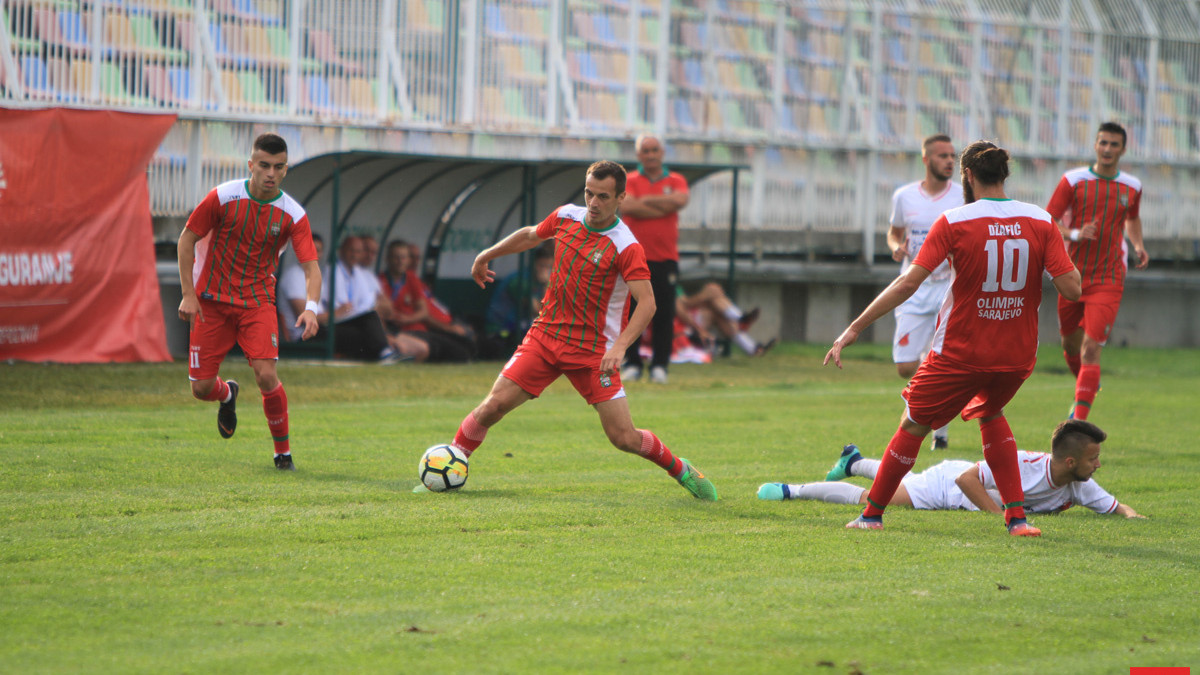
(539, 361)
(939, 391)
(1096, 311)
(254, 329)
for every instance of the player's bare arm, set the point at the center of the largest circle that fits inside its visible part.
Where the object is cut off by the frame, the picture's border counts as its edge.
(901, 289)
(1133, 230)
(973, 489)
(643, 295)
(521, 240)
(1069, 285)
(1123, 510)
(1086, 231)
(312, 289)
(189, 306)
(897, 241)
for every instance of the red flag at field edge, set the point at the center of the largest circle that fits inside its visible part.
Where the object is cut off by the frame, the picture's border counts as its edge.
(1159, 670)
(77, 272)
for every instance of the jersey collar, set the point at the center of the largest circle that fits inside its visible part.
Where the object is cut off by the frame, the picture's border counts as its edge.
(278, 194)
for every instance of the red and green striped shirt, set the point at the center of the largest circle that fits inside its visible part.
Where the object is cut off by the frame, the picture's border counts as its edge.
(241, 239)
(1084, 196)
(585, 300)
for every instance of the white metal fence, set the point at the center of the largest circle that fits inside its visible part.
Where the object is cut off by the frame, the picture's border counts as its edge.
(827, 99)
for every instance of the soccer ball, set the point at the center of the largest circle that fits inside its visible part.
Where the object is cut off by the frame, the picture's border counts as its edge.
(443, 467)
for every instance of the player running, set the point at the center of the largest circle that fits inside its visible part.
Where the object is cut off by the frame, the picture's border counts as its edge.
(598, 265)
(228, 252)
(914, 208)
(1052, 482)
(1095, 208)
(986, 340)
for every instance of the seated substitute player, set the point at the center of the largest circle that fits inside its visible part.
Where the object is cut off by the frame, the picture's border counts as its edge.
(228, 252)
(598, 265)
(1053, 481)
(986, 340)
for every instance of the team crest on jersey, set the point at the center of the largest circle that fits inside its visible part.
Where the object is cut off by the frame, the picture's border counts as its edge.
(595, 258)
(1124, 199)
(275, 229)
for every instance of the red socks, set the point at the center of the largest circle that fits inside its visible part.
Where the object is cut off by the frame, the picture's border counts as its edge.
(470, 434)
(1073, 363)
(654, 450)
(898, 460)
(1000, 453)
(219, 392)
(1086, 386)
(275, 408)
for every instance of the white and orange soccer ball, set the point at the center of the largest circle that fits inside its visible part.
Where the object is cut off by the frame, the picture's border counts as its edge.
(443, 467)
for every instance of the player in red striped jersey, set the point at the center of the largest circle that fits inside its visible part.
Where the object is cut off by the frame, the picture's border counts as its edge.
(1096, 207)
(985, 344)
(228, 253)
(580, 331)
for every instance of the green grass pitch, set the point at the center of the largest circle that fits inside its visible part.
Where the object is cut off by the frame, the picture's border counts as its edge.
(133, 539)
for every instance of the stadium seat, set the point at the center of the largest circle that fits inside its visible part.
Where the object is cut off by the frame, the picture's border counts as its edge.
(322, 48)
(36, 78)
(158, 86)
(180, 80)
(72, 32)
(281, 49)
(118, 33)
(494, 20)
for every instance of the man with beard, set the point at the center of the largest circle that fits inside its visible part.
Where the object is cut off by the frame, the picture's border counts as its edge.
(914, 208)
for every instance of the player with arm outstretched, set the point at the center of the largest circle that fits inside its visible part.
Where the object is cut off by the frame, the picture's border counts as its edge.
(986, 340)
(580, 331)
(1052, 482)
(1096, 207)
(228, 253)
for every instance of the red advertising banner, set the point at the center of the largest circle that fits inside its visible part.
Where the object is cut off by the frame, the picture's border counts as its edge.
(77, 273)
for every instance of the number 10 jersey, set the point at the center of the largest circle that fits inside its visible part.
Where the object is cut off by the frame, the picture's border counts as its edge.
(997, 250)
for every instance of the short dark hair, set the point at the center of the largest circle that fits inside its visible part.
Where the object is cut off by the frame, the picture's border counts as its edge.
(985, 159)
(396, 243)
(318, 238)
(1072, 436)
(1113, 128)
(272, 144)
(608, 169)
(936, 138)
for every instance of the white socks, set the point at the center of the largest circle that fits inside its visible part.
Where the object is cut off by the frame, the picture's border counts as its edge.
(732, 313)
(832, 492)
(865, 468)
(746, 342)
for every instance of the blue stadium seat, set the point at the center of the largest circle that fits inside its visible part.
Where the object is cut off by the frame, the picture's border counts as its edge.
(35, 77)
(796, 81)
(603, 28)
(694, 73)
(70, 27)
(181, 81)
(495, 20)
(587, 66)
(683, 114)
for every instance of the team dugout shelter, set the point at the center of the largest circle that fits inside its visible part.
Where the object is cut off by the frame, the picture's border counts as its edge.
(450, 207)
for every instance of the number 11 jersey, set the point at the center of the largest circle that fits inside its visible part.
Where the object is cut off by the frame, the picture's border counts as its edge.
(997, 249)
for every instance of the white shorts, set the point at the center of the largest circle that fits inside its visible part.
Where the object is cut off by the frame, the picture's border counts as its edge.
(916, 319)
(934, 488)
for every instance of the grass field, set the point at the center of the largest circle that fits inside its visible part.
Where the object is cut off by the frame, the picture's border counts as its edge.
(134, 540)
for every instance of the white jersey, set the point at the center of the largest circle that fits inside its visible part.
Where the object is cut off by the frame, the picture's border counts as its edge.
(915, 211)
(1043, 496)
(935, 488)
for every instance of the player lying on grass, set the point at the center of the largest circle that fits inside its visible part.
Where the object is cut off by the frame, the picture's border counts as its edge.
(1053, 481)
